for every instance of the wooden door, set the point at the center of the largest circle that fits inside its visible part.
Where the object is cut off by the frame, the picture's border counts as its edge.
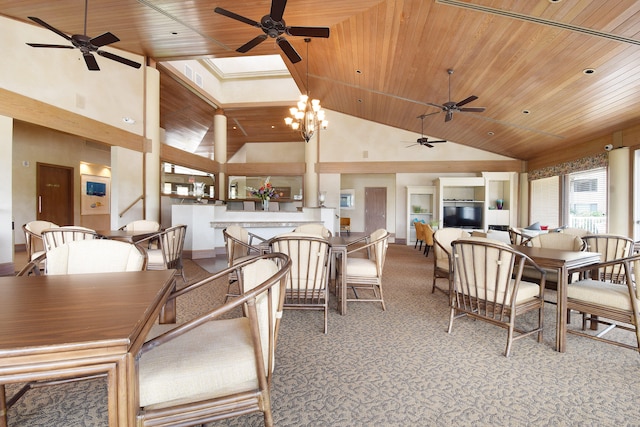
(54, 200)
(375, 209)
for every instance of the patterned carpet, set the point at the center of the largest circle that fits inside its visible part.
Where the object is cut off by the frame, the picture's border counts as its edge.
(401, 368)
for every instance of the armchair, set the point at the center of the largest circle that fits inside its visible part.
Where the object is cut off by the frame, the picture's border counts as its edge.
(168, 255)
(366, 272)
(214, 367)
(612, 297)
(487, 285)
(307, 285)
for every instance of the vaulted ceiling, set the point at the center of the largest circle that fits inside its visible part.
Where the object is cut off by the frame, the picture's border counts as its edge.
(387, 61)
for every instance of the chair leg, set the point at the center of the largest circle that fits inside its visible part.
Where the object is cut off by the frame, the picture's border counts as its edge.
(426, 250)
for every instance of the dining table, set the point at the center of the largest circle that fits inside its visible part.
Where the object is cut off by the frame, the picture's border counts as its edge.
(58, 327)
(563, 261)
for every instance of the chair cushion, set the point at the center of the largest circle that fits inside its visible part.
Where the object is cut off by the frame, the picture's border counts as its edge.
(363, 267)
(215, 359)
(601, 293)
(155, 261)
(526, 291)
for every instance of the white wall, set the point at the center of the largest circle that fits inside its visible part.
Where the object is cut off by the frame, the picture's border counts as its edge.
(6, 208)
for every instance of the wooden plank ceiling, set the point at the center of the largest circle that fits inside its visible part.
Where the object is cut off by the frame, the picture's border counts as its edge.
(387, 61)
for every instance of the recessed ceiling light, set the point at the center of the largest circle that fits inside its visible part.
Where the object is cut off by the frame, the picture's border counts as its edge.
(555, 1)
(358, 71)
(589, 71)
(359, 100)
(273, 127)
(128, 120)
(525, 111)
(490, 133)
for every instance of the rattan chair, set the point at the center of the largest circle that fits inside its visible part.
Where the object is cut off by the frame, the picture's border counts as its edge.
(517, 238)
(240, 246)
(617, 301)
(365, 272)
(487, 285)
(611, 247)
(212, 366)
(142, 225)
(316, 229)
(33, 242)
(168, 255)
(307, 286)
(442, 264)
(54, 237)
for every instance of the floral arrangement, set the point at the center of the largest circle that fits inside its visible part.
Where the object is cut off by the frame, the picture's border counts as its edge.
(265, 192)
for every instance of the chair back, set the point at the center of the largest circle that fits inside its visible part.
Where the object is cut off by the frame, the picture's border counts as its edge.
(442, 239)
(307, 285)
(94, 256)
(482, 275)
(33, 236)
(54, 237)
(610, 247)
(236, 242)
(172, 244)
(580, 232)
(428, 234)
(562, 241)
(142, 225)
(517, 238)
(317, 229)
(379, 241)
(420, 231)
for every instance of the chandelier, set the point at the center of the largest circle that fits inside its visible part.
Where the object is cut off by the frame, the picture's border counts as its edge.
(308, 115)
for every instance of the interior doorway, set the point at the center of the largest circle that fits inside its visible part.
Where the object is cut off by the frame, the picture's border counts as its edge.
(375, 209)
(54, 201)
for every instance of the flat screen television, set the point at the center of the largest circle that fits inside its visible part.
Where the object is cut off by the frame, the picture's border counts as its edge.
(463, 216)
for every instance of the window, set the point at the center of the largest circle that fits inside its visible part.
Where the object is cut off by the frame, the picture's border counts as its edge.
(545, 201)
(587, 200)
(585, 185)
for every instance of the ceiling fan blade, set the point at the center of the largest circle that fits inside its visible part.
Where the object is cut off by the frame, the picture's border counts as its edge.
(473, 109)
(449, 116)
(308, 31)
(119, 59)
(104, 39)
(44, 24)
(91, 62)
(277, 9)
(237, 17)
(466, 101)
(288, 50)
(435, 142)
(252, 43)
(57, 46)
(429, 145)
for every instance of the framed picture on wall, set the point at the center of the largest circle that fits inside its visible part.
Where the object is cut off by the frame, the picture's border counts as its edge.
(95, 195)
(347, 199)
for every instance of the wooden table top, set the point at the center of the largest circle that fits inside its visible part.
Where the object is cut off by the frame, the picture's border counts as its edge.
(128, 236)
(49, 314)
(555, 258)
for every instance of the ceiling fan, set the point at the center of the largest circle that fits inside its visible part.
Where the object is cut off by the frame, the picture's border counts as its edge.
(450, 106)
(86, 44)
(274, 26)
(423, 140)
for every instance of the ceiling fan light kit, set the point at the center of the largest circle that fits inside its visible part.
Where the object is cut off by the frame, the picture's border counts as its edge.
(86, 44)
(274, 27)
(450, 107)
